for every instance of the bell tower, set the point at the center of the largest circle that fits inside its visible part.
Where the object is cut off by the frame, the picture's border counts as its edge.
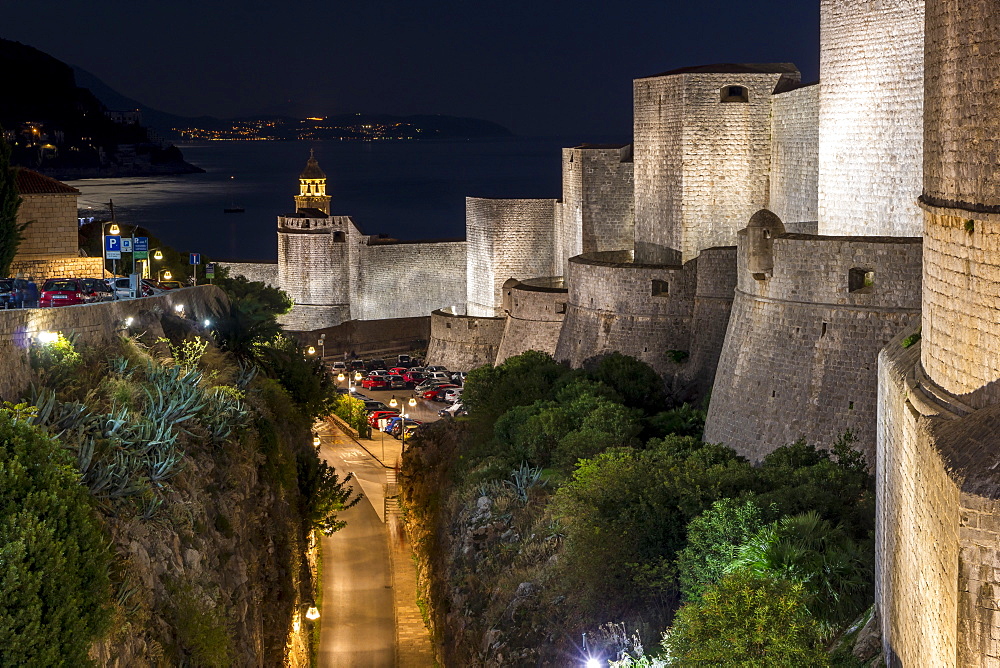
(312, 188)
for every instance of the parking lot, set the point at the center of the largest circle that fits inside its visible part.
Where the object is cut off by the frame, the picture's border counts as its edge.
(425, 411)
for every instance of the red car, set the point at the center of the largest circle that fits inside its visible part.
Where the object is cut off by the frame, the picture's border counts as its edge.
(64, 292)
(413, 378)
(398, 371)
(381, 415)
(436, 393)
(375, 383)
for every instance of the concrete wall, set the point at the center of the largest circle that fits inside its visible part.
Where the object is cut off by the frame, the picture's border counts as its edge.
(871, 117)
(462, 342)
(702, 166)
(94, 324)
(266, 273)
(535, 312)
(800, 351)
(53, 229)
(506, 238)
(612, 308)
(794, 192)
(597, 212)
(402, 280)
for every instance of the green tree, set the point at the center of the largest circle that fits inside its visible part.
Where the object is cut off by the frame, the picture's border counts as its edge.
(636, 382)
(713, 542)
(54, 585)
(835, 570)
(745, 620)
(249, 322)
(519, 381)
(626, 512)
(323, 492)
(10, 201)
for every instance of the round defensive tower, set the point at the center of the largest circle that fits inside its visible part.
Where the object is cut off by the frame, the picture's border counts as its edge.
(616, 304)
(938, 484)
(314, 257)
(463, 342)
(535, 311)
(809, 317)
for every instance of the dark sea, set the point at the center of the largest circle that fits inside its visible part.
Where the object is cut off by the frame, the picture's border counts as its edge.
(408, 190)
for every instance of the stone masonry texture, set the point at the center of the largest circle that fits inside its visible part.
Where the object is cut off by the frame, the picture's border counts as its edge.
(506, 238)
(53, 228)
(463, 342)
(94, 324)
(535, 315)
(701, 165)
(800, 354)
(795, 155)
(597, 212)
(871, 117)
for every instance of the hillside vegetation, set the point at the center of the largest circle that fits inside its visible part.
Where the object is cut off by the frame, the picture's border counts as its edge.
(570, 516)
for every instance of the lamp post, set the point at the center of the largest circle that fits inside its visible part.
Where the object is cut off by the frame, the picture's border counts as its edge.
(163, 275)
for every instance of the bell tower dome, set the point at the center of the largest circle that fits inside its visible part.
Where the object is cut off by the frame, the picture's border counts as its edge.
(312, 188)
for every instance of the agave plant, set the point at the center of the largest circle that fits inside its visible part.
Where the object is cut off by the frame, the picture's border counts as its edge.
(523, 479)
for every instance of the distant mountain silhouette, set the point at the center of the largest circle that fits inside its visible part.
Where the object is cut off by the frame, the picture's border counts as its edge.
(62, 129)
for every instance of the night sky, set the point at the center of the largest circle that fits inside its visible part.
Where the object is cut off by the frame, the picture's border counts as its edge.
(542, 68)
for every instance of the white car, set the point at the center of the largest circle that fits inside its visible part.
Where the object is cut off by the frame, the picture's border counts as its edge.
(339, 367)
(453, 411)
(452, 395)
(437, 375)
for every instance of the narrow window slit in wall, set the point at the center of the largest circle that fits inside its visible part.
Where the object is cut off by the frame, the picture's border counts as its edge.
(660, 288)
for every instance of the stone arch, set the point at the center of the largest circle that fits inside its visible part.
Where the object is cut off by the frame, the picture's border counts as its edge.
(734, 93)
(508, 292)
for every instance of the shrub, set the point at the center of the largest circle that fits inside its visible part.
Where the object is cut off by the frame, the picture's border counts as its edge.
(54, 584)
(744, 620)
(636, 382)
(520, 381)
(324, 493)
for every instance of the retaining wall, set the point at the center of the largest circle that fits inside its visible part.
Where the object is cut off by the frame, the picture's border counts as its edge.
(94, 324)
(799, 359)
(463, 342)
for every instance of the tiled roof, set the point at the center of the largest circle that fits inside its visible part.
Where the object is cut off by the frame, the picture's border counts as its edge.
(33, 183)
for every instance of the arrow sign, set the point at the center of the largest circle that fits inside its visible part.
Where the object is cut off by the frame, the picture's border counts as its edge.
(112, 247)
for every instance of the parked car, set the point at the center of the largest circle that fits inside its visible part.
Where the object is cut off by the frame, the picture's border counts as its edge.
(170, 285)
(98, 290)
(152, 287)
(398, 370)
(396, 382)
(438, 375)
(395, 426)
(371, 405)
(453, 411)
(376, 364)
(435, 393)
(339, 367)
(18, 293)
(63, 292)
(436, 368)
(357, 365)
(375, 382)
(123, 288)
(417, 369)
(458, 377)
(451, 395)
(404, 361)
(375, 416)
(428, 384)
(413, 378)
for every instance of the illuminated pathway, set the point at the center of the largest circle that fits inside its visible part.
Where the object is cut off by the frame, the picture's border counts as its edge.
(370, 616)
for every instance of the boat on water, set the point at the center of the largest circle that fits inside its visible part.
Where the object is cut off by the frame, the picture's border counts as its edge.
(233, 207)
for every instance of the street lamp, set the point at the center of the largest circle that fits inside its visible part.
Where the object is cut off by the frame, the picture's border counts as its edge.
(311, 350)
(402, 416)
(163, 275)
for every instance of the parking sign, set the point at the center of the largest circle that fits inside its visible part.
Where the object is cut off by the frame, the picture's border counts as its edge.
(126, 245)
(112, 247)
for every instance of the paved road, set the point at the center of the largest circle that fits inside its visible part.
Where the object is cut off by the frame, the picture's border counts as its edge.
(358, 623)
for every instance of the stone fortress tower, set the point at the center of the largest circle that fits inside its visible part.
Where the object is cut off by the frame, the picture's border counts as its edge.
(938, 484)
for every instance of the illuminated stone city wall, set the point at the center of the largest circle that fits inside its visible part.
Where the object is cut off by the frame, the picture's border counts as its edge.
(597, 208)
(402, 280)
(506, 238)
(53, 226)
(462, 342)
(93, 324)
(41, 269)
(795, 155)
(535, 311)
(702, 164)
(618, 305)
(800, 354)
(314, 260)
(263, 272)
(871, 117)
(713, 300)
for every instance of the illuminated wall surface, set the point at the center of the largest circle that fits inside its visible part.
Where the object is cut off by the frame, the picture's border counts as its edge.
(871, 117)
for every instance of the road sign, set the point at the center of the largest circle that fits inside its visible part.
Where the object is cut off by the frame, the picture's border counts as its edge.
(141, 255)
(141, 244)
(195, 258)
(126, 245)
(210, 270)
(112, 247)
